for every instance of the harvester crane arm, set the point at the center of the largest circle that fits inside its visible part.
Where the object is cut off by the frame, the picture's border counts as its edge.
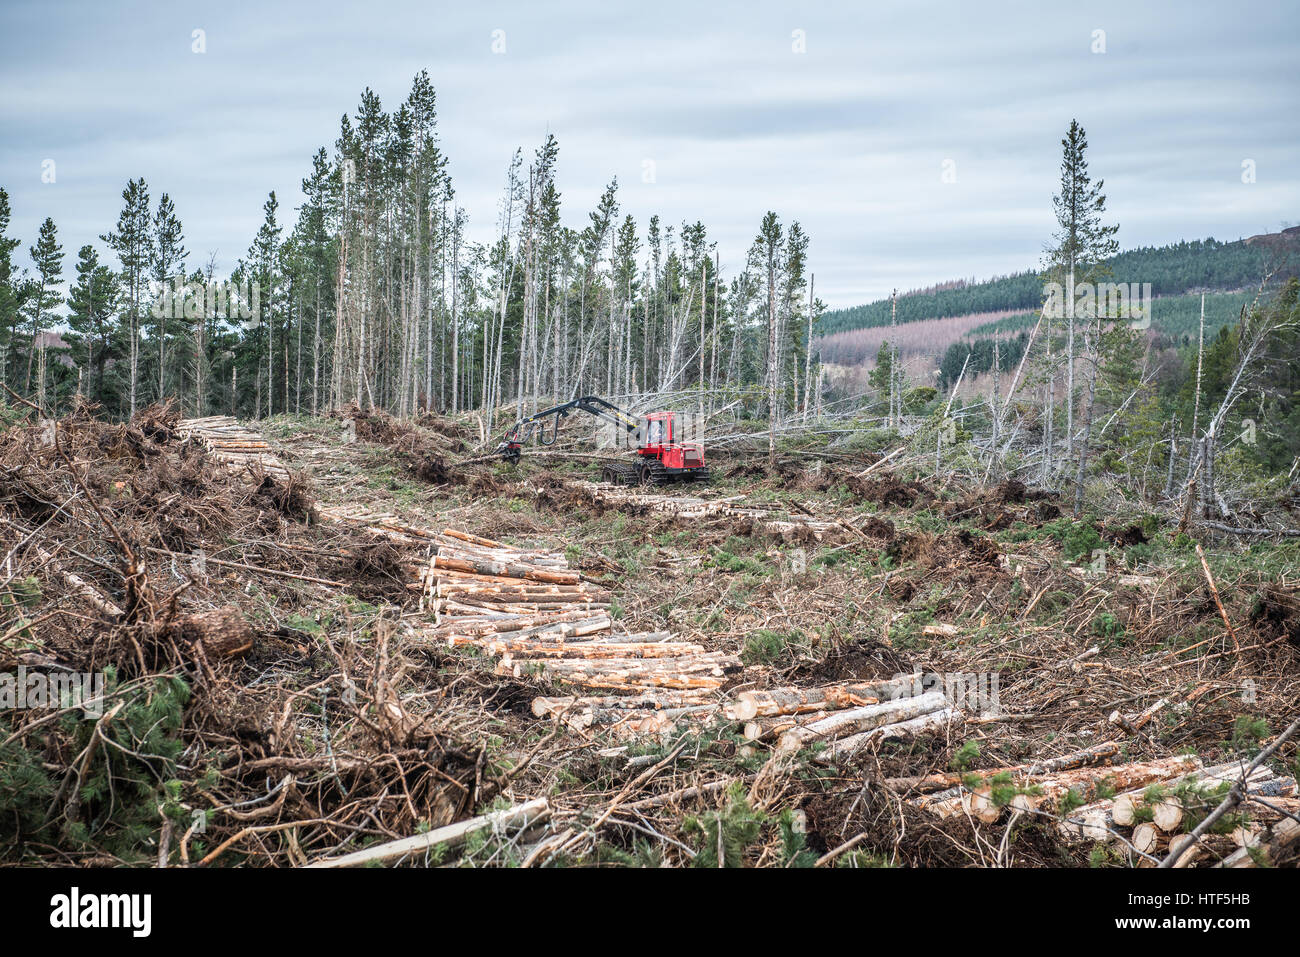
(591, 404)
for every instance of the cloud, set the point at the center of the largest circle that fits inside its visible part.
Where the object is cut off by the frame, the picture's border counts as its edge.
(850, 137)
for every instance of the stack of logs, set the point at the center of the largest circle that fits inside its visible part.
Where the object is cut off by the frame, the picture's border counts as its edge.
(845, 718)
(539, 617)
(235, 445)
(1146, 809)
(692, 508)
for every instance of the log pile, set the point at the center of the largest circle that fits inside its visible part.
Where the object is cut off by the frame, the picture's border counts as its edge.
(693, 508)
(1145, 809)
(538, 617)
(845, 718)
(1156, 819)
(234, 444)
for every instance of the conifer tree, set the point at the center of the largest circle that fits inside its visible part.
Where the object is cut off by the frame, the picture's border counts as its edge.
(1083, 243)
(47, 255)
(132, 241)
(10, 298)
(168, 263)
(91, 304)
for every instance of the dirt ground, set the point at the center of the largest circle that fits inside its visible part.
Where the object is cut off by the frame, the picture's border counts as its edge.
(267, 662)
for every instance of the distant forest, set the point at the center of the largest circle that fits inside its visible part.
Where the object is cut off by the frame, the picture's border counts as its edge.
(1199, 265)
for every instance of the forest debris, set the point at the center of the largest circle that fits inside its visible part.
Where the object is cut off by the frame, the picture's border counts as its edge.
(221, 632)
(1214, 591)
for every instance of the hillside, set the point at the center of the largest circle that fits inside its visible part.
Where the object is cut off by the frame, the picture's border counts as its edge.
(1178, 273)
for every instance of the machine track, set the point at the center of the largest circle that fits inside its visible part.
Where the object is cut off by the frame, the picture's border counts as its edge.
(648, 472)
(619, 473)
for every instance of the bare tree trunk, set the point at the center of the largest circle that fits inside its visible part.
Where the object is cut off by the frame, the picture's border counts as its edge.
(455, 315)
(895, 400)
(1048, 410)
(1173, 455)
(807, 356)
(1069, 370)
(1196, 402)
(995, 397)
(1095, 349)
(771, 365)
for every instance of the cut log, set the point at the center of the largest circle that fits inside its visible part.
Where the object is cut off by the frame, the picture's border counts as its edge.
(498, 623)
(524, 608)
(527, 572)
(1188, 856)
(1125, 807)
(582, 649)
(1135, 722)
(949, 779)
(773, 726)
(544, 707)
(638, 637)
(619, 720)
(472, 539)
(1083, 781)
(1271, 848)
(1145, 838)
(1167, 814)
(753, 704)
(220, 632)
(452, 836)
(1098, 821)
(925, 724)
(856, 720)
(700, 672)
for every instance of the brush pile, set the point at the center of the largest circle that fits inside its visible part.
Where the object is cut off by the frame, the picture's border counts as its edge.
(181, 568)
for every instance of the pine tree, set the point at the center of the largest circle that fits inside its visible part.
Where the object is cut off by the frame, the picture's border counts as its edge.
(264, 267)
(765, 254)
(314, 254)
(47, 255)
(1083, 243)
(168, 264)
(91, 304)
(9, 291)
(133, 243)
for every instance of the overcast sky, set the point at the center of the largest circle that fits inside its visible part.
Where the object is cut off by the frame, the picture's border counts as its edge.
(851, 137)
